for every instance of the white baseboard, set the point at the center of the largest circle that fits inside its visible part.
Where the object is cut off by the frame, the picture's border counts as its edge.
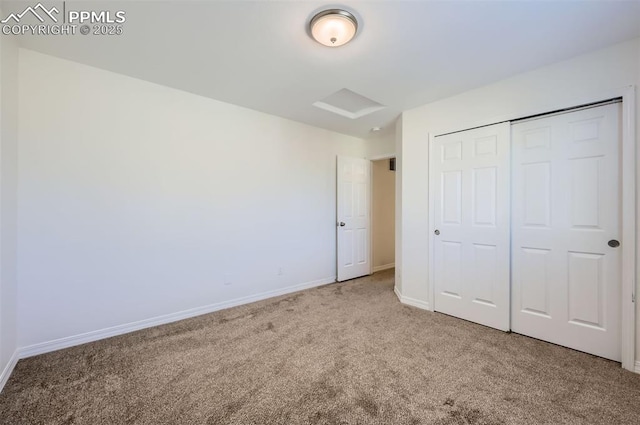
(384, 267)
(70, 341)
(4, 377)
(637, 368)
(397, 292)
(411, 301)
(416, 303)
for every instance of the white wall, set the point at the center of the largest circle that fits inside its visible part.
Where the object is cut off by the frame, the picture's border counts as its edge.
(137, 200)
(8, 189)
(382, 145)
(559, 85)
(383, 209)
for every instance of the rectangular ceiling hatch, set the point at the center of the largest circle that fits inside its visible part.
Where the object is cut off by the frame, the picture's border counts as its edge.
(349, 104)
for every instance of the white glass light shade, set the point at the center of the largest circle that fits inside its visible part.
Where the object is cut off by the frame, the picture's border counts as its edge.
(333, 27)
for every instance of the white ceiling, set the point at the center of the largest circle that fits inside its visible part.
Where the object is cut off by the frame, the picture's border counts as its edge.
(407, 53)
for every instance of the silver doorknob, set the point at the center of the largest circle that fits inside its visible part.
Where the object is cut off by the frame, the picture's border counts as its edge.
(342, 224)
(437, 232)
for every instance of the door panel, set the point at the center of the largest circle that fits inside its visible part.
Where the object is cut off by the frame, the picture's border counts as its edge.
(451, 269)
(485, 264)
(484, 189)
(565, 192)
(535, 281)
(585, 289)
(353, 211)
(470, 172)
(537, 192)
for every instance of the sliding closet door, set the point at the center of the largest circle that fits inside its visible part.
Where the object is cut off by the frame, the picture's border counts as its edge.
(470, 176)
(566, 228)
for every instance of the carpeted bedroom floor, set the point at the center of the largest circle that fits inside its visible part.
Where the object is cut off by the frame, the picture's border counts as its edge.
(345, 353)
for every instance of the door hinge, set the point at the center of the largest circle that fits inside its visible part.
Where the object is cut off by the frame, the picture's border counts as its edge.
(633, 298)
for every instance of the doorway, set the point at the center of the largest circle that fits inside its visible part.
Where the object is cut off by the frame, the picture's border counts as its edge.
(383, 212)
(365, 222)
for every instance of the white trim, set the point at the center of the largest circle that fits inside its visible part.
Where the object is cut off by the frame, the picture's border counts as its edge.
(628, 210)
(637, 368)
(431, 226)
(4, 377)
(70, 341)
(370, 244)
(384, 267)
(424, 305)
(628, 207)
(371, 268)
(397, 292)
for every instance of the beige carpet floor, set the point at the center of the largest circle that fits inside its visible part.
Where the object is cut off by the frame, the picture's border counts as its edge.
(345, 353)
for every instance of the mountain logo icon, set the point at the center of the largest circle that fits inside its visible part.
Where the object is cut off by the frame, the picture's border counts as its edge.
(38, 11)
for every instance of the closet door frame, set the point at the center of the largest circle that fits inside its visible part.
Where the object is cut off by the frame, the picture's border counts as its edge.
(627, 207)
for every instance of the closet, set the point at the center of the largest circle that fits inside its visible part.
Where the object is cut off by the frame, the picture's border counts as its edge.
(527, 227)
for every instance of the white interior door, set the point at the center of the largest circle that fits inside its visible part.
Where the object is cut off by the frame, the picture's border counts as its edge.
(470, 181)
(354, 218)
(566, 276)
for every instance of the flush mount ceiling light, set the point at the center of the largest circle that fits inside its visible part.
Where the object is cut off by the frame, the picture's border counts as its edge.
(333, 27)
